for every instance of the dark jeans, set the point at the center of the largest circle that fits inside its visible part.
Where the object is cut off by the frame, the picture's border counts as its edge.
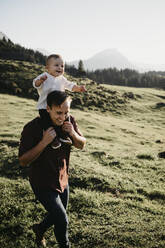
(55, 203)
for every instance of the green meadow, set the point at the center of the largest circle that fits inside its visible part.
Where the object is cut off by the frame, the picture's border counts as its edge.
(117, 183)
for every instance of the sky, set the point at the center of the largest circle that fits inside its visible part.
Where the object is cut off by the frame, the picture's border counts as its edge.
(79, 29)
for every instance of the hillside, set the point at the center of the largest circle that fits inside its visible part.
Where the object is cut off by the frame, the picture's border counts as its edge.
(3, 36)
(13, 57)
(10, 50)
(16, 78)
(117, 182)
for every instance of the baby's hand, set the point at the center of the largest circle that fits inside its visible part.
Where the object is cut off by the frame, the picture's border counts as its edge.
(77, 88)
(40, 81)
(43, 78)
(82, 88)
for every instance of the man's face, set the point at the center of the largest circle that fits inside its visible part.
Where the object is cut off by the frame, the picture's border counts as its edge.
(55, 67)
(59, 114)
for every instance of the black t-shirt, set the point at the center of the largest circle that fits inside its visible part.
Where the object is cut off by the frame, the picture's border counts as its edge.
(50, 169)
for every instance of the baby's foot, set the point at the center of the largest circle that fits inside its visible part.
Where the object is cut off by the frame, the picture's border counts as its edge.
(66, 140)
(56, 143)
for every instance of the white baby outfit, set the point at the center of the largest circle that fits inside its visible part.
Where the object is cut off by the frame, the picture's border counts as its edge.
(52, 83)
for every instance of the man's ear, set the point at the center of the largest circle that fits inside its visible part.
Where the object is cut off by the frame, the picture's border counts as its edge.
(47, 108)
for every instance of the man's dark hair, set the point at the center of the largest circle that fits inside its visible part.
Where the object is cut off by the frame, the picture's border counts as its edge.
(56, 98)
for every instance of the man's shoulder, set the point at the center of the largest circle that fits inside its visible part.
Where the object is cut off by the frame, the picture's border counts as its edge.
(33, 124)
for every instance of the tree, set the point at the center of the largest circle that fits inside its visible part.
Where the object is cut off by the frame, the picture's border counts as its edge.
(81, 70)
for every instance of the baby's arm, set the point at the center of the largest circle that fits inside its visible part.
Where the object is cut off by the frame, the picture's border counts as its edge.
(77, 88)
(40, 81)
(73, 86)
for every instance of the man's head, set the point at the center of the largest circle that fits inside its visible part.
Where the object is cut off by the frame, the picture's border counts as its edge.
(58, 106)
(55, 65)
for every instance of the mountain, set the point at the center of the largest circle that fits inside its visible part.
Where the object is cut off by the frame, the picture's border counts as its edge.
(106, 59)
(2, 35)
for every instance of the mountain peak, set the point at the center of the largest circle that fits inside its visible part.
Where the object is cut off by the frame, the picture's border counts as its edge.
(109, 50)
(108, 58)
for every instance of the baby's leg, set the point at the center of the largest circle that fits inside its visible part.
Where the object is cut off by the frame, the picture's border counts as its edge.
(45, 119)
(46, 123)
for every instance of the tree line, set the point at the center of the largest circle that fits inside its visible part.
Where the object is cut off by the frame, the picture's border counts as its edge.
(9, 50)
(123, 77)
(113, 76)
(128, 77)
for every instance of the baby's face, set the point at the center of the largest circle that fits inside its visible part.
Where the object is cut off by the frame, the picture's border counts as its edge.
(55, 67)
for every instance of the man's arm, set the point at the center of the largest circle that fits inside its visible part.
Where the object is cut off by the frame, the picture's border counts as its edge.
(31, 155)
(78, 141)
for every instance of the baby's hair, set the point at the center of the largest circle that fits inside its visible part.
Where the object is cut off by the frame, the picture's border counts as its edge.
(55, 56)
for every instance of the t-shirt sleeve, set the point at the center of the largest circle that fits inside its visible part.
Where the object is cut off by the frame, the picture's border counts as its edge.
(68, 84)
(27, 141)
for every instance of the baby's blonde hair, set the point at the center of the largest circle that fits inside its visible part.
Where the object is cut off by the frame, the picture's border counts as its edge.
(55, 56)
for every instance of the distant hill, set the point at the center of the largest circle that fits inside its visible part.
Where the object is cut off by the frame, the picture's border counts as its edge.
(16, 78)
(108, 58)
(10, 50)
(112, 58)
(2, 35)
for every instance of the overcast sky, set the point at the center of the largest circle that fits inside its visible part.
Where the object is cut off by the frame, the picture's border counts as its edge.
(78, 29)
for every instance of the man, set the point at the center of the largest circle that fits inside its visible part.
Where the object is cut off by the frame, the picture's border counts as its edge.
(48, 172)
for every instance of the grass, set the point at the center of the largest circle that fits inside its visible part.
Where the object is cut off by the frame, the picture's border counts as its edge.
(117, 193)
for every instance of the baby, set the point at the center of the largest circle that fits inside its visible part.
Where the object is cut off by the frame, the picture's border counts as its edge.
(47, 82)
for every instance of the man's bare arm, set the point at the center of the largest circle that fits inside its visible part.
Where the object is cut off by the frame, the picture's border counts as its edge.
(31, 155)
(78, 141)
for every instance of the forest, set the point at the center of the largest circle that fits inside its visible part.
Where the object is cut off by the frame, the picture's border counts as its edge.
(113, 76)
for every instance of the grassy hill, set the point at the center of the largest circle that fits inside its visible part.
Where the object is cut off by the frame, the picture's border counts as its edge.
(16, 78)
(117, 182)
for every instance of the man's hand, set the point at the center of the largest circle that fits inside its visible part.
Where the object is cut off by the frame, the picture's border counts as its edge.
(68, 127)
(78, 141)
(31, 155)
(48, 136)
